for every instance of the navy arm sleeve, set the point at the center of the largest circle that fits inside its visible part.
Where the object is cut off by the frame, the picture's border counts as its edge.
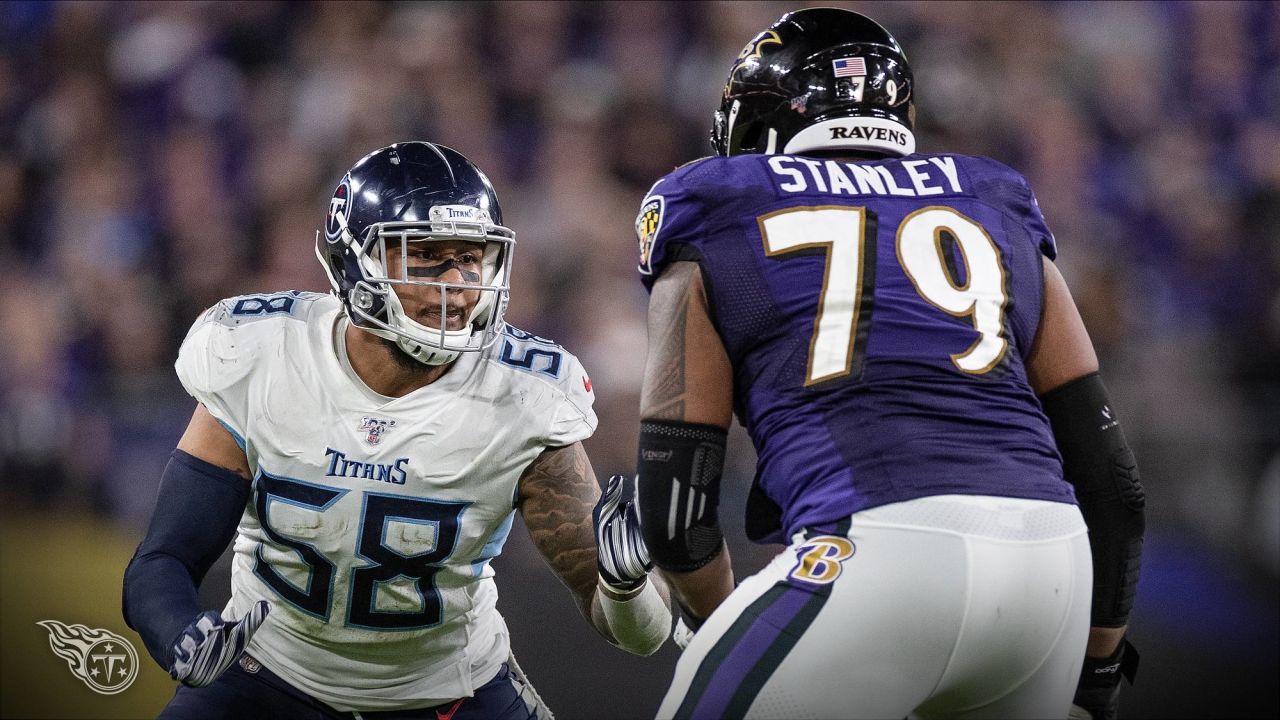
(197, 511)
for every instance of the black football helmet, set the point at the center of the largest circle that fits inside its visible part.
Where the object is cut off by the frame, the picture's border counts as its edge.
(818, 79)
(407, 193)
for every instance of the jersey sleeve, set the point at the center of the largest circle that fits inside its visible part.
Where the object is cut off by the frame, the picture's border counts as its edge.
(573, 418)
(1007, 189)
(213, 365)
(667, 225)
(1037, 226)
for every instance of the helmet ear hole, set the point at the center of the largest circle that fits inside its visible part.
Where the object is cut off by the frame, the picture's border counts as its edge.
(750, 137)
(718, 141)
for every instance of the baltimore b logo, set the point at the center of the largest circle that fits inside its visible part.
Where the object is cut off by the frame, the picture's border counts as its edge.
(101, 659)
(821, 559)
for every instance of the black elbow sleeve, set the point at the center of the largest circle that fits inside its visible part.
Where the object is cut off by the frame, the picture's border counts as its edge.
(1097, 461)
(679, 492)
(197, 510)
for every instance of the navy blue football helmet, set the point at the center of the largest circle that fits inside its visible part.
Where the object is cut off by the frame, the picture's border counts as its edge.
(405, 193)
(818, 79)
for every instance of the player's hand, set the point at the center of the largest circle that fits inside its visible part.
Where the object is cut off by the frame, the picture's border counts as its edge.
(1098, 694)
(621, 554)
(209, 645)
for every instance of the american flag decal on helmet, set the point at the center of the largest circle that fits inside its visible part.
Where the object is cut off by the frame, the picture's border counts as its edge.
(849, 67)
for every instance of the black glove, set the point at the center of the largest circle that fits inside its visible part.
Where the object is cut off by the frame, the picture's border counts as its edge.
(622, 557)
(1098, 694)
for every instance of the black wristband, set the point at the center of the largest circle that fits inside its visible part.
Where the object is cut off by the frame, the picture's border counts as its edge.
(1123, 662)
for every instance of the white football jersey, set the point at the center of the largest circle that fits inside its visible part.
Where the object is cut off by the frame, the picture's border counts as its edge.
(373, 519)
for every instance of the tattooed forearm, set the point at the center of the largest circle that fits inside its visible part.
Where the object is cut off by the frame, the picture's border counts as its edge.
(557, 493)
(666, 375)
(663, 395)
(687, 375)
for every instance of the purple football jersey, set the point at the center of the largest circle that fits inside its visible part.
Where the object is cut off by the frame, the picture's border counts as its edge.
(877, 315)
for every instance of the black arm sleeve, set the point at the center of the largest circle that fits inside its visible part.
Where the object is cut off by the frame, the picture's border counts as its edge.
(197, 510)
(1098, 463)
(679, 492)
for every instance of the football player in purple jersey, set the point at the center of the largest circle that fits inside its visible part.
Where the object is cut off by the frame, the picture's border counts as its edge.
(963, 516)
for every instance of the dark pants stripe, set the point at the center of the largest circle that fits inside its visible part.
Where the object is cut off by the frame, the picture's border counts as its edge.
(769, 662)
(746, 656)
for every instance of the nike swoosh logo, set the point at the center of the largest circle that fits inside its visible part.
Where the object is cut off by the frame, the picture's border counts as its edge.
(452, 709)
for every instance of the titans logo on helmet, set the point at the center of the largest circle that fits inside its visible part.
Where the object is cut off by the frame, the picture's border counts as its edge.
(339, 210)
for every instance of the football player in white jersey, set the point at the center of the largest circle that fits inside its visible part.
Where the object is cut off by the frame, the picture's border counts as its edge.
(367, 451)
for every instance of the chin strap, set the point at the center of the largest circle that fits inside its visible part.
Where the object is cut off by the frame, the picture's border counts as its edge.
(426, 354)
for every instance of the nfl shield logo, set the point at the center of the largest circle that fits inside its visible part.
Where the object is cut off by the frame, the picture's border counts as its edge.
(375, 427)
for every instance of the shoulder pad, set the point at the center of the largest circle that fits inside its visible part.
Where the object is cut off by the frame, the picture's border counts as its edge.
(669, 216)
(225, 343)
(695, 161)
(1007, 188)
(243, 309)
(572, 417)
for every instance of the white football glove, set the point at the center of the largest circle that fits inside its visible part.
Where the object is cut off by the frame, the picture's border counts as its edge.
(209, 645)
(681, 635)
(623, 558)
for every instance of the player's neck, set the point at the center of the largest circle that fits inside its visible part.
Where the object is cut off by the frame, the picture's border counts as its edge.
(377, 366)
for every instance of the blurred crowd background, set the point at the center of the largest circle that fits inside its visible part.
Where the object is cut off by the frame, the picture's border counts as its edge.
(156, 157)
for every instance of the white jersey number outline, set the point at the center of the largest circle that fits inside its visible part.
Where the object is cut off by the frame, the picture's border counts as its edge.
(840, 232)
(387, 564)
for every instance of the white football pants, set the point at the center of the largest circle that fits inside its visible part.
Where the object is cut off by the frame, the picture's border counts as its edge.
(952, 606)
